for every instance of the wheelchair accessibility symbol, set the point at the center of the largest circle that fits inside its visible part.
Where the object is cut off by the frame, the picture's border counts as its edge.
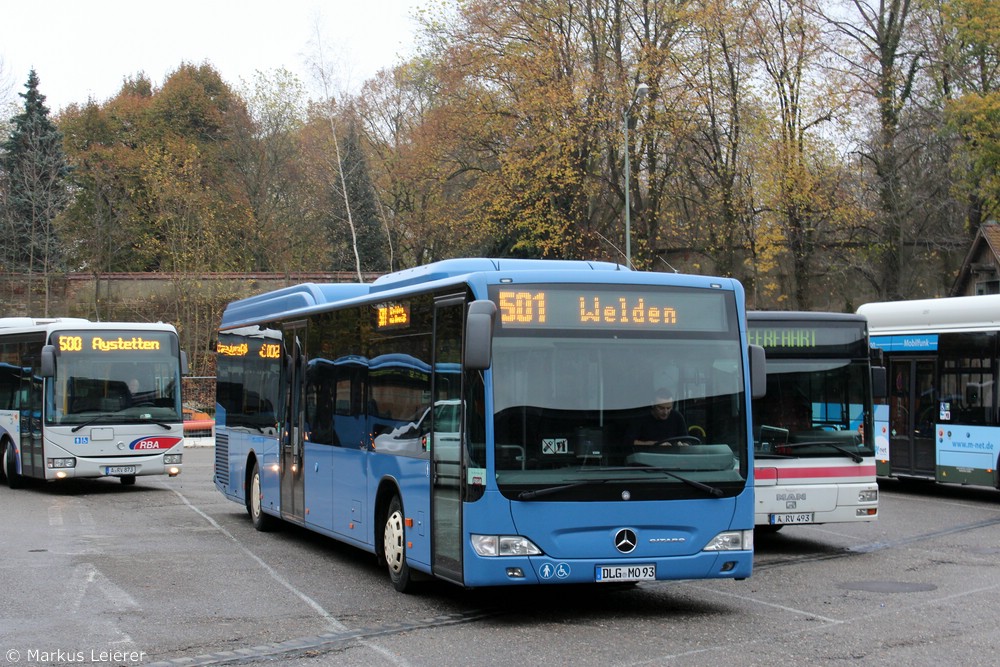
(559, 571)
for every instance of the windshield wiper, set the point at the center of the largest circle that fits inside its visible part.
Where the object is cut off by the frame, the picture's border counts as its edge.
(857, 458)
(528, 495)
(701, 486)
(92, 420)
(710, 490)
(104, 415)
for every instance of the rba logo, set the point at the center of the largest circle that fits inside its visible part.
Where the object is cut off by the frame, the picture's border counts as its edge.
(154, 443)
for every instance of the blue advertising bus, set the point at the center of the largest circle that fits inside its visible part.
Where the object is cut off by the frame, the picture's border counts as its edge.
(467, 420)
(942, 357)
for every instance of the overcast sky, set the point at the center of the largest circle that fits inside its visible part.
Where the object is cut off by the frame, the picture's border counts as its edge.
(84, 49)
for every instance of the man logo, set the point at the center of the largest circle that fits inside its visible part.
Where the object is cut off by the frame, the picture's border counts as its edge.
(625, 540)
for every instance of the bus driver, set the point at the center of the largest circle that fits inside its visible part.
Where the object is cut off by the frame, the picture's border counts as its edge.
(660, 424)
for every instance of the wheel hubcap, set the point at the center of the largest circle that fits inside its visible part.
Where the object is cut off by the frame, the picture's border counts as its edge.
(255, 496)
(394, 541)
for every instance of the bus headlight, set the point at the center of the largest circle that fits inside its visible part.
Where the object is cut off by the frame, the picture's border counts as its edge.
(731, 540)
(172, 459)
(868, 496)
(62, 463)
(504, 545)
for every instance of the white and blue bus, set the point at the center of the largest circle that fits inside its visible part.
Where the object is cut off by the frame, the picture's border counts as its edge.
(815, 430)
(467, 420)
(942, 357)
(89, 399)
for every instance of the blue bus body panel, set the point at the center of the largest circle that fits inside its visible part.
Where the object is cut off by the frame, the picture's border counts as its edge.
(241, 445)
(411, 476)
(319, 498)
(340, 500)
(350, 484)
(336, 491)
(672, 542)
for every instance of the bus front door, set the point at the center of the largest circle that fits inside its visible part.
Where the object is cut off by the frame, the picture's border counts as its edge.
(913, 410)
(292, 474)
(447, 436)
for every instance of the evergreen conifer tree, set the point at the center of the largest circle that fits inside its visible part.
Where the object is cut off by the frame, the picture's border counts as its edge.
(34, 175)
(372, 242)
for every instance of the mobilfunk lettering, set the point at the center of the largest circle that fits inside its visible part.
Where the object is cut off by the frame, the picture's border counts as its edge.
(134, 343)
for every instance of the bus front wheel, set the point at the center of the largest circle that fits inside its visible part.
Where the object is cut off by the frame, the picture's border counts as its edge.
(10, 466)
(261, 521)
(394, 547)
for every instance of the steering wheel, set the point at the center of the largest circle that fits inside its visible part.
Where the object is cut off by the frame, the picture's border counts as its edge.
(680, 440)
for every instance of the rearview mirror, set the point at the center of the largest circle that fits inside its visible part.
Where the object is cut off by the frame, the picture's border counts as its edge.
(479, 334)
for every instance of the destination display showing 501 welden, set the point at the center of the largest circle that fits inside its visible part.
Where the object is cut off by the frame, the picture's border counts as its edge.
(627, 307)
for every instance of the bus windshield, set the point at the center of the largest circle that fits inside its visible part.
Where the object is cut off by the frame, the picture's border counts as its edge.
(567, 402)
(114, 377)
(813, 408)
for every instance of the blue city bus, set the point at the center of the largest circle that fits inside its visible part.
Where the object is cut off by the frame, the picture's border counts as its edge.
(467, 421)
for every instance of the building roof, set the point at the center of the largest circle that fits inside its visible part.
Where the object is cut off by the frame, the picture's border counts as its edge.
(987, 239)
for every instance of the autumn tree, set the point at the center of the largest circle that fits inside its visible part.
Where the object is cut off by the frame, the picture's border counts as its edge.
(113, 145)
(710, 114)
(970, 30)
(528, 83)
(264, 151)
(797, 168)
(881, 52)
(416, 132)
(107, 219)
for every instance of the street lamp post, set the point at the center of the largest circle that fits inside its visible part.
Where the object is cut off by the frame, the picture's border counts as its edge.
(640, 92)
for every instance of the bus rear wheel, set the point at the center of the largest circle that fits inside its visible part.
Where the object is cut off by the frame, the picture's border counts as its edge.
(394, 547)
(261, 521)
(9, 463)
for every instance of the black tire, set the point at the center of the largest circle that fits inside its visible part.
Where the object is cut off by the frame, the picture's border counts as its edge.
(394, 547)
(261, 521)
(14, 480)
(127, 480)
